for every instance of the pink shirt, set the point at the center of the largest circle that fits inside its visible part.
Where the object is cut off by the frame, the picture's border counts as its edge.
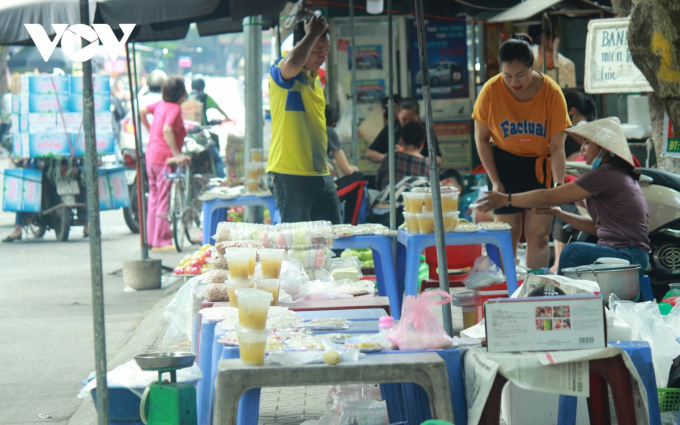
(164, 113)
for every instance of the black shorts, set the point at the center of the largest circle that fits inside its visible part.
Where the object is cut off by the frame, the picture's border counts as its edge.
(517, 174)
(558, 232)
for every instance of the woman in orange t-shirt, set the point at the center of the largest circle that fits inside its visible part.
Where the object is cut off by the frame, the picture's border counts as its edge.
(520, 117)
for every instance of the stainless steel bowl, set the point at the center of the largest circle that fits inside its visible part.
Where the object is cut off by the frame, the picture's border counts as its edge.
(622, 280)
(157, 361)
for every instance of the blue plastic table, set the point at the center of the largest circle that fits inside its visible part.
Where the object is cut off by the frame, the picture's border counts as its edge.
(411, 246)
(214, 211)
(641, 355)
(211, 350)
(384, 265)
(405, 402)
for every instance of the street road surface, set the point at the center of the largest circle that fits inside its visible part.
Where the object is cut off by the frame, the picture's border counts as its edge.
(46, 328)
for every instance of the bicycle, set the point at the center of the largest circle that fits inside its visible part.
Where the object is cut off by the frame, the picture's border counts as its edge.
(185, 212)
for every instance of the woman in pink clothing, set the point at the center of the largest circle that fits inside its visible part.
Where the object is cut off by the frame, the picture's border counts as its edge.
(166, 137)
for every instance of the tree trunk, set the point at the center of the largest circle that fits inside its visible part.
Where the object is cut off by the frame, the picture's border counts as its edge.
(653, 40)
(656, 112)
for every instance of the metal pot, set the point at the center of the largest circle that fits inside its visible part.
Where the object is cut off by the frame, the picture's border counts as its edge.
(619, 279)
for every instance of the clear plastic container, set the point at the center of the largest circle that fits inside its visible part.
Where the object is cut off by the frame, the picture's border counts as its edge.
(425, 223)
(232, 286)
(272, 286)
(411, 222)
(251, 345)
(253, 307)
(449, 200)
(238, 259)
(253, 170)
(252, 260)
(256, 155)
(270, 261)
(252, 185)
(450, 221)
(413, 201)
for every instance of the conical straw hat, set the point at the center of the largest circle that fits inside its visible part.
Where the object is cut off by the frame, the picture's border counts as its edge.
(607, 133)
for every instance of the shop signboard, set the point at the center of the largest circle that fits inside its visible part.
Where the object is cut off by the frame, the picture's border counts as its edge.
(609, 64)
(368, 57)
(447, 59)
(370, 91)
(671, 141)
(455, 143)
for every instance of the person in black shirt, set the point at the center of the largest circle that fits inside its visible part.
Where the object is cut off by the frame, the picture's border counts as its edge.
(409, 111)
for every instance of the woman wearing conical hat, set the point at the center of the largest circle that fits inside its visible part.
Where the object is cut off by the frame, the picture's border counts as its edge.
(617, 207)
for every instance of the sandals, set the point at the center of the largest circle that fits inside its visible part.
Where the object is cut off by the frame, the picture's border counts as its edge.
(12, 238)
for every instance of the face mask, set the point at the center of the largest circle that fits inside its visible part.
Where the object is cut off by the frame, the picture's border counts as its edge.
(598, 161)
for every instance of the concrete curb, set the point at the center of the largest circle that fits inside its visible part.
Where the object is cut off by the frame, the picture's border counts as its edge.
(147, 337)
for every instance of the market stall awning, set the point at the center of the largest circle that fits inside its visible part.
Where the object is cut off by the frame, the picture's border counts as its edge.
(528, 9)
(155, 20)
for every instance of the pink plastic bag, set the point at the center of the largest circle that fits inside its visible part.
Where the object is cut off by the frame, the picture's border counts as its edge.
(418, 329)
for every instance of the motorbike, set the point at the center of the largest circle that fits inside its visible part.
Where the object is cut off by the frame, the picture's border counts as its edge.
(208, 163)
(63, 204)
(662, 192)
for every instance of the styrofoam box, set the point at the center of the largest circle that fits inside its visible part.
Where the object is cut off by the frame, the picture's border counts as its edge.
(100, 84)
(113, 190)
(104, 139)
(70, 122)
(22, 190)
(103, 121)
(102, 102)
(44, 84)
(47, 145)
(48, 103)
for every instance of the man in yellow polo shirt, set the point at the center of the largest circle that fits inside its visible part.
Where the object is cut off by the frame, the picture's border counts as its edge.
(298, 170)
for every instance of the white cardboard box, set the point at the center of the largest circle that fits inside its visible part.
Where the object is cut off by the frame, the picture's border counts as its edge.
(545, 323)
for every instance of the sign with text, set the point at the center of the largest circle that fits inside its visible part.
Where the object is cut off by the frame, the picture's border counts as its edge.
(545, 323)
(609, 64)
(455, 142)
(447, 59)
(671, 141)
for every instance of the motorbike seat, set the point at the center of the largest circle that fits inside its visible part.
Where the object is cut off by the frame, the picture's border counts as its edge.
(662, 178)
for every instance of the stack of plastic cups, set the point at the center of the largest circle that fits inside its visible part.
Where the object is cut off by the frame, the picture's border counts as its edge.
(449, 198)
(413, 205)
(252, 333)
(253, 170)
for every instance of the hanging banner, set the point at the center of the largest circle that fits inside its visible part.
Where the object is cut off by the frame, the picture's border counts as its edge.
(671, 142)
(370, 91)
(455, 142)
(446, 56)
(609, 65)
(368, 57)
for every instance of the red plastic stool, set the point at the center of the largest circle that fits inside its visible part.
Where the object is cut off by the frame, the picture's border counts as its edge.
(457, 257)
(612, 371)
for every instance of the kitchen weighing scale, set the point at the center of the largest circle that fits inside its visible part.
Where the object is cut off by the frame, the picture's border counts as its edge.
(167, 403)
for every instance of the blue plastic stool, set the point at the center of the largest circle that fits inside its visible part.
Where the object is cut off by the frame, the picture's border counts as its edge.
(409, 402)
(646, 293)
(641, 355)
(384, 265)
(411, 246)
(214, 212)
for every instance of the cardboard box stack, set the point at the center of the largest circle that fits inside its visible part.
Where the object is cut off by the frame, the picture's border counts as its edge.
(47, 116)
